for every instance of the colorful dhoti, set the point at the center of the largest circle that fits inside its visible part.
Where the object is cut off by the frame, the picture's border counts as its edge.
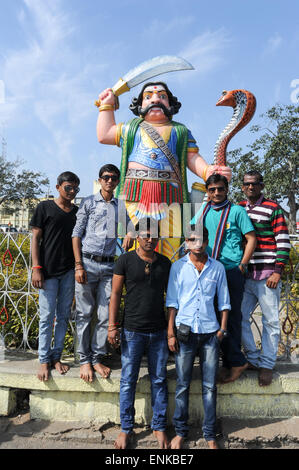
(158, 199)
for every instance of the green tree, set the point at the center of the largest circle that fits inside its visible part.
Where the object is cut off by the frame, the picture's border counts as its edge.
(19, 185)
(275, 153)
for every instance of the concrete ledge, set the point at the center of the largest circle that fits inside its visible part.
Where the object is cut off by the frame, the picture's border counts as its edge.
(8, 401)
(68, 398)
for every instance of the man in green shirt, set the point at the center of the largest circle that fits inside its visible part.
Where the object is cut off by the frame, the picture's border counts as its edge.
(228, 228)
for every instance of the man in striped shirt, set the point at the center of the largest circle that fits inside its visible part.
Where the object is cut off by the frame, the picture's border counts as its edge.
(265, 268)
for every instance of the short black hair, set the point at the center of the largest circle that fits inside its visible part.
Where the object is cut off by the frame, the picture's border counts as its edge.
(216, 178)
(69, 177)
(173, 101)
(254, 173)
(198, 230)
(148, 224)
(110, 169)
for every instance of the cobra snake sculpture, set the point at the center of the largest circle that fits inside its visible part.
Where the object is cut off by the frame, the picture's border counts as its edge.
(244, 103)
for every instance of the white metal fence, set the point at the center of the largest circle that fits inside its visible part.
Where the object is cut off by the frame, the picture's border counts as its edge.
(19, 311)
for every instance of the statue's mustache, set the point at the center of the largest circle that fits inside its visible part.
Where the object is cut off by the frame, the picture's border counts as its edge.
(143, 111)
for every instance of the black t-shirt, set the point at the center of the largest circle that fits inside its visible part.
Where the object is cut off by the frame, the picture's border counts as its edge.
(144, 300)
(56, 252)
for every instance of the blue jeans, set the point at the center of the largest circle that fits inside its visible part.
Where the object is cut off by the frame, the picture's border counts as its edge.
(95, 295)
(231, 345)
(55, 302)
(257, 292)
(133, 346)
(207, 345)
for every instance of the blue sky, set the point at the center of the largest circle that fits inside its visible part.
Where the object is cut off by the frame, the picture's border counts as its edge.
(57, 55)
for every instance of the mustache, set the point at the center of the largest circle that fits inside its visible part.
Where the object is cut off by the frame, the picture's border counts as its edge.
(167, 111)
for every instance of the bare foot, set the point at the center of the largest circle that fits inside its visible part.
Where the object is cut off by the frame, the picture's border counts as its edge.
(265, 377)
(235, 373)
(61, 368)
(162, 439)
(102, 370)
(177, 442)
(223, 374)
(213, 445)
(86, 372)
(122, 440)
(43, 372)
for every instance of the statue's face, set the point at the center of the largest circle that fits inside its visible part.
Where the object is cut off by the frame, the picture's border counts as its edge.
(155, 96)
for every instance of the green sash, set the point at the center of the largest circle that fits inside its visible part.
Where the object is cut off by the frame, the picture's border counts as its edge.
(181, 151)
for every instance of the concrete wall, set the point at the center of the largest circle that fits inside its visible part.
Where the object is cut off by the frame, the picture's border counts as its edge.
(70, 398)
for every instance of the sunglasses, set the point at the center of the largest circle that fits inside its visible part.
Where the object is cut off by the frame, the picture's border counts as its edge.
(146, 236)
(68, 189)
(106, 178)
(255, 183)
(220, 189)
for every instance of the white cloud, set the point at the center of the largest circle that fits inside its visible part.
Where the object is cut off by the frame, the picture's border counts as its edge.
(157, 28)
(205, 51)
(45, 80)
(51, 23)
(273, 44)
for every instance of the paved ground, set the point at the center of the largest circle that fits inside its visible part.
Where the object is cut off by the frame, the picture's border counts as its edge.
(20, 432)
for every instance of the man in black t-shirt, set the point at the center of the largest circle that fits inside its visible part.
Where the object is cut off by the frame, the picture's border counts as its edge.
(144, 273)
(53, 270)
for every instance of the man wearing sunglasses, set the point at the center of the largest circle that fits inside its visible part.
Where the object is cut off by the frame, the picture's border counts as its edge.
(144, 272)
(263, 282)
(94, 244)
(193, 329)
(229, 225)
(53, 270)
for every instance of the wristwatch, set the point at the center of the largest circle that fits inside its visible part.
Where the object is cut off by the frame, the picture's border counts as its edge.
(245, 267)
(224, 332)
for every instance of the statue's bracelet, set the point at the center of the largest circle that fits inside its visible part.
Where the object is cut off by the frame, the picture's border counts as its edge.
(106, 107)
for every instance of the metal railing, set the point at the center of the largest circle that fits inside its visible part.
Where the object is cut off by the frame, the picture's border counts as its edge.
(19, 310)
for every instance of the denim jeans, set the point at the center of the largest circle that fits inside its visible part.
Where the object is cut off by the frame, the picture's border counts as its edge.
(207, 345)
(231, 344)
(55, 302)
(258, 292)
(95, 295)
(133, 346)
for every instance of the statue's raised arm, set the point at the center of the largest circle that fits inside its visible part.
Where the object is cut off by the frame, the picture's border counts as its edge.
(156, 150)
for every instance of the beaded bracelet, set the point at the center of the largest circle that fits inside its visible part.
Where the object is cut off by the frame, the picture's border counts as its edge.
(37, 267)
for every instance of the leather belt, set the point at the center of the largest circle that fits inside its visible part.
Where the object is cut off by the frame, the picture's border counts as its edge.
(151, 174)
(99, 259)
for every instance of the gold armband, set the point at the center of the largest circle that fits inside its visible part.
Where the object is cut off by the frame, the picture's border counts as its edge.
(204, 175)
(118, 133)
(106, 107)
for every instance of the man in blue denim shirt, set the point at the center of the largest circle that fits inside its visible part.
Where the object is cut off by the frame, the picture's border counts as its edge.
(94, 245)
(194, 281)
(232, 241)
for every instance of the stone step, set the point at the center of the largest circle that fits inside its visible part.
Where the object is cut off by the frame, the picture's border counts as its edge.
(68, 398)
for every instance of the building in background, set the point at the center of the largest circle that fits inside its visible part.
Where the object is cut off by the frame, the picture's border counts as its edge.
(17, 216)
